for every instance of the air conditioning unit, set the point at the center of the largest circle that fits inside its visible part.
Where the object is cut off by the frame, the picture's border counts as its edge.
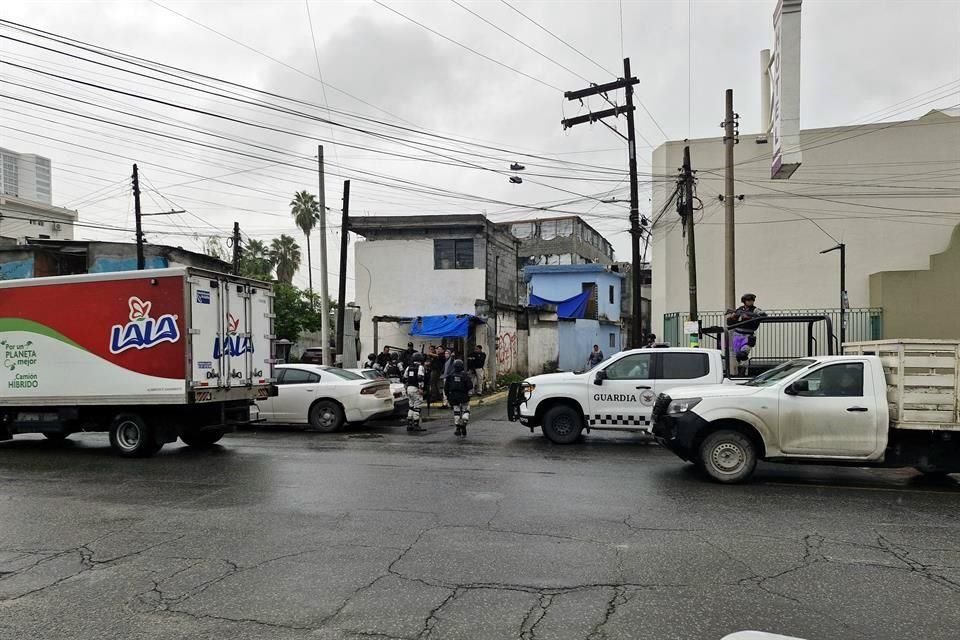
(57, 226)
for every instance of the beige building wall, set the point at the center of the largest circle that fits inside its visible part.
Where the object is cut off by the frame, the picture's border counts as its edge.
(890, 191)
(921, 303)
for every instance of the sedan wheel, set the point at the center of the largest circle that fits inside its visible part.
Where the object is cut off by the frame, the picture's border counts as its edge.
(326, 416)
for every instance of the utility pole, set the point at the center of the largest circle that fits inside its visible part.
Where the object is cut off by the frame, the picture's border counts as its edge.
(342, 288)
(236, 248)
(141, 262)
(626, 83)
(688, 224)
(324, 299)
(731, 136)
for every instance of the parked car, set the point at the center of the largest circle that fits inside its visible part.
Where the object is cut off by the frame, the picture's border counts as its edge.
(312, 355)
(326, 398)
(399, 391)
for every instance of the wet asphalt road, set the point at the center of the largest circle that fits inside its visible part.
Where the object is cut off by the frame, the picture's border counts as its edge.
(376, 534)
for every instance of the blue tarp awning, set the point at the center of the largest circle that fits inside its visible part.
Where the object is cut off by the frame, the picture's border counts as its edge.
(571, 308)
(445, 326)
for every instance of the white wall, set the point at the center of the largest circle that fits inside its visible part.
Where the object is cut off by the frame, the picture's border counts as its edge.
(508, 351)
(777, 246)
(397, 278)
(13, 224)
(543, 343)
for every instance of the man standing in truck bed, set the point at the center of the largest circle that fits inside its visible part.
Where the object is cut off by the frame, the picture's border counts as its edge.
(744, 322)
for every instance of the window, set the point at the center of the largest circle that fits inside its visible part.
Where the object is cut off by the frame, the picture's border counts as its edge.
(632, 367)
(453, 254)
(834, 381)
(684, 366)
(296, 376)
(611, 294)
(613, 341)
(342, 373)
(522, 230)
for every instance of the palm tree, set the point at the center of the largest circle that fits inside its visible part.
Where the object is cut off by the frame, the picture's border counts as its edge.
(285, 257)
(306, 213)
(255, 260)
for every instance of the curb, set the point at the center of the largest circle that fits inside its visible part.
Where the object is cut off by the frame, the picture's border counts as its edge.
(493, 397)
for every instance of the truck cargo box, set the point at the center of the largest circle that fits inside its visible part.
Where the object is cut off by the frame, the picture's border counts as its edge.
(922, 381)
(156, 337)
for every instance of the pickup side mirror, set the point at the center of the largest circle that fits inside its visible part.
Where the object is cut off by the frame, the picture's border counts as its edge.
(601, 376)
(798, 387)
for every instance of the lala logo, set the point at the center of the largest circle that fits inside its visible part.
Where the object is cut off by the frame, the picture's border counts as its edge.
(143, 332)
(232, 345)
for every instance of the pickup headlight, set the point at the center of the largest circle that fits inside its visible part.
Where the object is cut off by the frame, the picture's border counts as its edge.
(526, 390)
(682, 405)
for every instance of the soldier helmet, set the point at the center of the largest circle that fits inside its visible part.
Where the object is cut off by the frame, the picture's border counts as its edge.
(418, 357)
(371, 356)
(748, 296)
(458, 365)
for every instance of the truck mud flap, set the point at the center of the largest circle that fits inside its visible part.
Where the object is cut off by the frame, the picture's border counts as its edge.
(514, 400)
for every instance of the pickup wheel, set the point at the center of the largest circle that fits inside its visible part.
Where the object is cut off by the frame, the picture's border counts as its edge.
(203, 438)
(326, 416)
(728, 456)
(562, 425)
(132, 437)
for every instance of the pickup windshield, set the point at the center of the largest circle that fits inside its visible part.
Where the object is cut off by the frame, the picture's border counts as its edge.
(777, 374)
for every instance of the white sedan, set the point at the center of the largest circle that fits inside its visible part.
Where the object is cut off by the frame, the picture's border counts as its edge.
(326, 398)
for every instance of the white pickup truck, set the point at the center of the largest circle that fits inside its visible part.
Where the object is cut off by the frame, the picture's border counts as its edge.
(616, 395)
(892, 403)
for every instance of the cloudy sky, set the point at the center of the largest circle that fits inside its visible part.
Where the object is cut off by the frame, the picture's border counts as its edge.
(431, 101)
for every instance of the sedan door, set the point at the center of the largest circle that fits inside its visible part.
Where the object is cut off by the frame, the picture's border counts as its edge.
(831, 411)
(296, 391)
(625, 397)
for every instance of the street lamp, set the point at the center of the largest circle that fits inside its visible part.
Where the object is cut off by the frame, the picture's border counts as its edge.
(844, 300)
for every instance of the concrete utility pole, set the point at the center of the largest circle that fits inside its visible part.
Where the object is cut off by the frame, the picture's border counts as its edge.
(342, 285)
(236, 248)
(324, 297)
(626, 83)
(688, 224)
(730, 138)
(141, 261)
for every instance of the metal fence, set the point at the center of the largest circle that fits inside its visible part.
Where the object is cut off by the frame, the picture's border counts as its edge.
(776, 342)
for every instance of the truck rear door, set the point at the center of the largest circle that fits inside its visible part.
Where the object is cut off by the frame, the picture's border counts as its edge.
(206, 330)
(831, 411)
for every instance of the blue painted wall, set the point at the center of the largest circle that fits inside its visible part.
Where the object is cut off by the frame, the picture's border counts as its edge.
(576, 340)
(16, 270)
(106, 265)
(560, 282)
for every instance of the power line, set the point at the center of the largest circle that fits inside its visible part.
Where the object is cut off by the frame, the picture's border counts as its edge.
(559, 39)
(515, 39)
(463, 46)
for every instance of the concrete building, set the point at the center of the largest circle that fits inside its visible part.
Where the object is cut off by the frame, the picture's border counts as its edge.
(20, 218)
(25, 176)
(567, 240)
(410, 267)
(587, 301)
(889, 191)
(41, 258)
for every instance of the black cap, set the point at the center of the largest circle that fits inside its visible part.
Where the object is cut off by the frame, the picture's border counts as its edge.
(748, 296)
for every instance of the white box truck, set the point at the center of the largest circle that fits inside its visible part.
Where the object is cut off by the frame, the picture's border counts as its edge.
(887, 403)
(147, 356)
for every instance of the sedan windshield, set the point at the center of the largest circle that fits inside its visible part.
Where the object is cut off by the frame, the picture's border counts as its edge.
(777, 374)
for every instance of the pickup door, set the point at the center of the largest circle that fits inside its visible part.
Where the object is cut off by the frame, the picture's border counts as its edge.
(625, 398)
(831, 411)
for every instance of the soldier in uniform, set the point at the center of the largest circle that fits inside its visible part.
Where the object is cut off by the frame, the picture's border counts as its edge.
(457, 387)
(414, 378)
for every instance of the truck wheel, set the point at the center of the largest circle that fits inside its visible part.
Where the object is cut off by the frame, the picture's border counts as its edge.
(728, 456)
(203, 438)
(562, 425)
(132, 437)
(326, 416)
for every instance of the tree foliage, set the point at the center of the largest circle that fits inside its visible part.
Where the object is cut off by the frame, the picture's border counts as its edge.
(285, 257)
(255, 261)
(294, 314)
